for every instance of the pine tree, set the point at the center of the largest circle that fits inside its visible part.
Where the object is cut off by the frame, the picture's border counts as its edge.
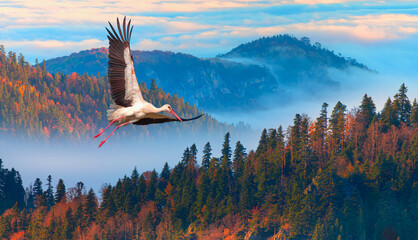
(193, 156)
(367, 111)
(238, 159)
(337, 124)
(60, 193)
(263, 143)
(207, 154)
(134, 175)
(226, 166)
(389, 116)
(403, 104)
(318, 138)
(165, 173)
(107, 207)
(152, 186)
(49, 193)
(414, 113)
(37, 187)
(68, 224)
(90, 208)
(226, 152)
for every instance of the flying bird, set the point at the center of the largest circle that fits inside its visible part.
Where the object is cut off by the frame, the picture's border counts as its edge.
(129, 106)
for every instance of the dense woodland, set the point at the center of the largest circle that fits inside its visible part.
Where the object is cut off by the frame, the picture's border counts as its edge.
(344, 175)
(36, 103)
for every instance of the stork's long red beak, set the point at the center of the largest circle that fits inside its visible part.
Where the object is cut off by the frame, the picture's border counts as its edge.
(172, 112)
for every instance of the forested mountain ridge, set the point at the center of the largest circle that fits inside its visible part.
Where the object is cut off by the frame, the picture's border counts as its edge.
(210, 83)
(36, 103)
(294, 62)
(345, 175)
(233, 81)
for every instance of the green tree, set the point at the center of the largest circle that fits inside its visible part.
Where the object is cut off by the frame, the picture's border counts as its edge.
(90, 208)
(49, 193)
(207, 154)
(60, 193)
(414, 113)
(152, 186)
(389, 116)
(337, 124)
(403, 104)
(367, 111)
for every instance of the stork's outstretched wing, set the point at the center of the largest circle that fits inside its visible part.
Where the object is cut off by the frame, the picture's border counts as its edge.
(123, 83)
(160, 118)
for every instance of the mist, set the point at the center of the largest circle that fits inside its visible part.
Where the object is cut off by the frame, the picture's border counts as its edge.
(392, 63)
(84, 161)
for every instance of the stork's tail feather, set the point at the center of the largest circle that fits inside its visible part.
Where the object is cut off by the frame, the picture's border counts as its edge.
(111, 111)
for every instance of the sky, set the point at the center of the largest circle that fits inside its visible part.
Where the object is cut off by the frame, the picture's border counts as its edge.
(381, 34)
(44, 29)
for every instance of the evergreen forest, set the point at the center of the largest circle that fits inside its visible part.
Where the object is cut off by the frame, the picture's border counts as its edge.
(346, 174)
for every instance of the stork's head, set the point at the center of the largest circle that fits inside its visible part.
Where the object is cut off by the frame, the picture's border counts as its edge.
(168, 108)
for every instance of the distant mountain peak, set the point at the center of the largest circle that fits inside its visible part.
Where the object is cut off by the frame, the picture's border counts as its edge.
(284, 46)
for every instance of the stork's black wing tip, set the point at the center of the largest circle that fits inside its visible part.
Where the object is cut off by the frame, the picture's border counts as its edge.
(190, 119)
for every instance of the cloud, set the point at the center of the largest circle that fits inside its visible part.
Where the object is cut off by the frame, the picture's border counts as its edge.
(33, 49)
(54, 44)
(365, 29)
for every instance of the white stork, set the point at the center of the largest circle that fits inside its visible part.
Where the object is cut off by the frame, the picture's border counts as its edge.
(129, 105)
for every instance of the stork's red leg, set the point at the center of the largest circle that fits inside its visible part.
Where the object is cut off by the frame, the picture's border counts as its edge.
(106, 127)
(123, 124)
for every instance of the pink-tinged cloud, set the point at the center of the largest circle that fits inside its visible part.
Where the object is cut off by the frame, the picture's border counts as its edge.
(369, 28)
(54, 44)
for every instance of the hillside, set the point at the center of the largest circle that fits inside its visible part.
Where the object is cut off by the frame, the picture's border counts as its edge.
(211, 84)
(233, 81)
(294, 62)
(344, 175)
(36, 103)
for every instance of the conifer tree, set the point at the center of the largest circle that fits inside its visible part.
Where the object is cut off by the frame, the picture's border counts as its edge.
(238, 160)
(226, 152)
(367, 111)
(207, 154)
(318, 138)
(37, 187)
(152, 186)
(165, 173)
(193, 156)
(90, 208)
(225, 175)
(263, 143)
(414, 113)
(49, 193)
(68, 224)
(337, 124)
(389, 116)
(403, 104)
(107, 207)
(60, 193)
(134, 175)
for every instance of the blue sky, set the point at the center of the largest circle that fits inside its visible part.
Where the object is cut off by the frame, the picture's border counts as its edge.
(45, 29)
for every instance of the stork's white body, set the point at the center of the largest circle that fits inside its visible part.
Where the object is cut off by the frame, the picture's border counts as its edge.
(129, 105)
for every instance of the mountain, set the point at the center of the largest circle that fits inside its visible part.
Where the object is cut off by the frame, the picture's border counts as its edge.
(36, 103)
(209, 83)
(236, 80)
(293, 61)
